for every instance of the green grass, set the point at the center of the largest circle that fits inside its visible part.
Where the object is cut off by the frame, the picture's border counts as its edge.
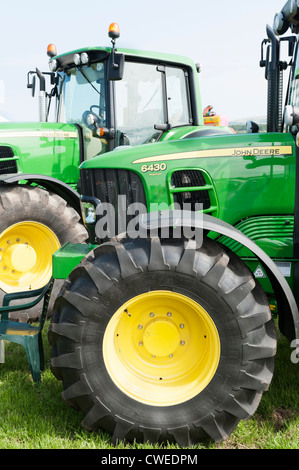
(34, 417)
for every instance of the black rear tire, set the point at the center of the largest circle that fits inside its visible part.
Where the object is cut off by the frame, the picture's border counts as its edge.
(216, 280)
(22, 207)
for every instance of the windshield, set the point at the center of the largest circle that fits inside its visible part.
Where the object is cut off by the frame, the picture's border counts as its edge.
(148, 97)
(82, 90)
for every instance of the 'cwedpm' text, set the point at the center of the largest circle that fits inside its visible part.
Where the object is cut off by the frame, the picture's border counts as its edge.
(150, 459)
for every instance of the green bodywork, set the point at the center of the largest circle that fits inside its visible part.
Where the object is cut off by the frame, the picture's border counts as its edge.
(240, 186)
(53, 149)
(250, 179)
(50, 149)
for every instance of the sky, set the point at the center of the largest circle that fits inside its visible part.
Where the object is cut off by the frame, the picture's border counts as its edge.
(223, 36)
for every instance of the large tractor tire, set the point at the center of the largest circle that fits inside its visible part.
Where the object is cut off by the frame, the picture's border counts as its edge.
(158, 341)
(34, 223)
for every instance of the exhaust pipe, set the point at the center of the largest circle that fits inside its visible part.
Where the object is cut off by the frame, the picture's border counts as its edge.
(42, 96)
(274, 77)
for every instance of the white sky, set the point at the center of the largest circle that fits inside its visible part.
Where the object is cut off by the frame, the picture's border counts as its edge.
(223, 35)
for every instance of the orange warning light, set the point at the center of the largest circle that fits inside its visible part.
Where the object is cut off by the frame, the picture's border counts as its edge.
(51, 50)
(114, 31)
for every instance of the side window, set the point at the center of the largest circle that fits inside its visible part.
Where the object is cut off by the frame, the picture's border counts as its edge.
(177, 97)
(150, 95)
(295, 91)
(139, 102)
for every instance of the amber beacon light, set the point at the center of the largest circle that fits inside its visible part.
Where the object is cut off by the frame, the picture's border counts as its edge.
(51, 50)
(114, 31)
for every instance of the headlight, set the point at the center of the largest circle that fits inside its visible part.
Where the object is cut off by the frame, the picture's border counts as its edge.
(76, 59)
(88, 209)
(84, 58)
(89, 213)
(81, 59)
(53, 65)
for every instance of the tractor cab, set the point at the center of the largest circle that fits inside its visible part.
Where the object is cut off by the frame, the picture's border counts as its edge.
(121, 97)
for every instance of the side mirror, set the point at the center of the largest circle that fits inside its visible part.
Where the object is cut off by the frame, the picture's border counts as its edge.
(32, 84)
(116, 63)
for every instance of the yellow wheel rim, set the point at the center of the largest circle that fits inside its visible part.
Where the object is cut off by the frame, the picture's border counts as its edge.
(26, 250)
(161, 348)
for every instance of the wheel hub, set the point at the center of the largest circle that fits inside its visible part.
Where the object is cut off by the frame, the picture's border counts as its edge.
(161, 337)
(161, 348)
(26, 250)
(20, 257)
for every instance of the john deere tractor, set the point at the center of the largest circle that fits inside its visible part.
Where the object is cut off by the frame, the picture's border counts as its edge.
(163, 329)
(103, 99)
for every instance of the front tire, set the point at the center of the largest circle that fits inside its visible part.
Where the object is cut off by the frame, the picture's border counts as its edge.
(158, 341)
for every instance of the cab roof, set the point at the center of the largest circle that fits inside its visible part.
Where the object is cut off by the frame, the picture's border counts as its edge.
(100, 53)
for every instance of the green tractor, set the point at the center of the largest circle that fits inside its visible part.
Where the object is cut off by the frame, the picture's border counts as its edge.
(163, 329)
(103, 99)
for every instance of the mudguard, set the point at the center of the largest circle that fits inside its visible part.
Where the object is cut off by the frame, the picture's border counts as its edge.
(63, 190)
(287, 306)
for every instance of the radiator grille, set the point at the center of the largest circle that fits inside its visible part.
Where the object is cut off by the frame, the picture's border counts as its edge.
(7, 166)
(190, 187)
(108, 184)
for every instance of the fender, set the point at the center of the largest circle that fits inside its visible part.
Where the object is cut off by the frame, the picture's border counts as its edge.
(54, 185)
(287, 306)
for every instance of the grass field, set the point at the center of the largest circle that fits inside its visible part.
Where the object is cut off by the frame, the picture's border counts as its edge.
(34, 417)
